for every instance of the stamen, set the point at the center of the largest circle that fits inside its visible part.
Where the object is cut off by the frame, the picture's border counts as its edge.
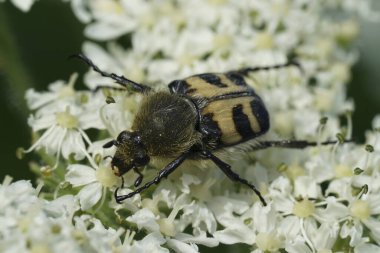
(38, 142)
(129, 235)
(85, 136)
(104, 192)
(92, 162)
(322, 124)
(59, 148)
(307, 240)
(369, 149)
(349, 124)
(39, 187)
(108, 126)
(7, 180)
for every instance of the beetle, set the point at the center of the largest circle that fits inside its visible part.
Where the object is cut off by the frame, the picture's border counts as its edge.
(196, 117)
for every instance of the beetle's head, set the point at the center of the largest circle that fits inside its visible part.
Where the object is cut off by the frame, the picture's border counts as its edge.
(130, 152)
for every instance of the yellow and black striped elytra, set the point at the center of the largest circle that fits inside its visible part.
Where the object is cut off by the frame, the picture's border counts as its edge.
(193, 119)
(233, 112)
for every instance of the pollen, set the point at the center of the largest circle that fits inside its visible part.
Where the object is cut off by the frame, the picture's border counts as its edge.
(222, 41)
(342, 171)
(264, 40)
(167, 227)
(66, 119)
(360, 209)
(106, 177)
(40, 248)
(303, 208)
(268, 241)
(295, 171)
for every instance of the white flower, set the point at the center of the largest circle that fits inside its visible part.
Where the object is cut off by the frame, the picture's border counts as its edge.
(95, 182)
(316, 196)
(150, 243)
(64, 120)
(63, 135)
(167, 226)
(31, 224)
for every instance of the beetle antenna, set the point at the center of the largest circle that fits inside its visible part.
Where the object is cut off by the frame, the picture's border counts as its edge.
(246, 71)
(127, 83)
(110, 144)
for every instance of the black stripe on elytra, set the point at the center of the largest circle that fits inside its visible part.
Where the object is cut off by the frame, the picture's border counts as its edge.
(236, 78)
(212, 79)
(261, 114)
(248, 93)
(178, 87)
(210, 129)
(241, 121)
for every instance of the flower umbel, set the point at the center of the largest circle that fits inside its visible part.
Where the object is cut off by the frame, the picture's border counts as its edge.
(320, 199)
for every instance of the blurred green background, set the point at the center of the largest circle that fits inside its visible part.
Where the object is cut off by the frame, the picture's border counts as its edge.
(33, 53)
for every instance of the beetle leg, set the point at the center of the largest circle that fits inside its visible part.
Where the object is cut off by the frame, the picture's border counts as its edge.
(297, 144)
(138, 87)
(226, 168)
(139, 178)
(105, 87)
(165, 172)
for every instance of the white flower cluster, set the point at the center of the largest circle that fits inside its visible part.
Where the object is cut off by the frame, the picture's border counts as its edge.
(32, 224)
(321, 199)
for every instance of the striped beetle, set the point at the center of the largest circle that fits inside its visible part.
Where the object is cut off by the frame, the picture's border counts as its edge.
(199, 115)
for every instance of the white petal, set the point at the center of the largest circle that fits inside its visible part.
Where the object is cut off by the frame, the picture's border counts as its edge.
(90, 195)
(307, 187)
(289, 227)
(144, 218)
(325, 236)
(188, 180)
(36, 99)
(374, 226)
(355, 232)
(73, 144)
(64, 206)
(154, 238)
(79, 175)
(200, 239)
(298, 247)
(150, 243)
(181, 247)
(106, 31)
(23, 5)
(367, 248)
(237, 234)
(333, 212)
(80, 10)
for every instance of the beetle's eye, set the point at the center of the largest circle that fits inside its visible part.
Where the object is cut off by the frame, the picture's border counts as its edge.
(123, 136)
(141, 159)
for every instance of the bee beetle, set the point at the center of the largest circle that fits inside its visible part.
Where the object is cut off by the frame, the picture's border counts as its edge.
(196, 117)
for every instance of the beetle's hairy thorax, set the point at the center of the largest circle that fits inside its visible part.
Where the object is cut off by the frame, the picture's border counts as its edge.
(167, 124)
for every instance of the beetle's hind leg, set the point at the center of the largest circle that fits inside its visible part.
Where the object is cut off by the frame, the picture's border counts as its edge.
(295, 144)
(126, 83)
(226, 168)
